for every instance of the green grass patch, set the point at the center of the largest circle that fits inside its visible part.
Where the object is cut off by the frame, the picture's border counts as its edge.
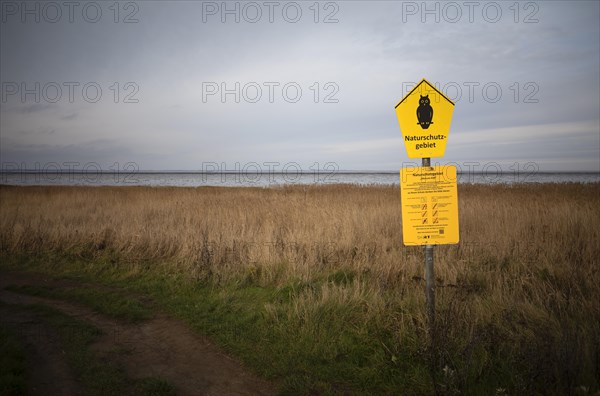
(110, 303)
(12, 364)
(326, 352)
(96, 376)
(153, 387)
(328, 335)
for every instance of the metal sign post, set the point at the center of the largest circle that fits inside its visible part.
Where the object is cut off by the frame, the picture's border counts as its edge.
(429, 274)
(428, 194)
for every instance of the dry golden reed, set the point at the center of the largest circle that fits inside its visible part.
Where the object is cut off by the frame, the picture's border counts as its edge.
(523, 282)
(276, 234)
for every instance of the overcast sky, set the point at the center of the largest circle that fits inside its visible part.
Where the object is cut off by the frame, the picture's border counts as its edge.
(304, 83)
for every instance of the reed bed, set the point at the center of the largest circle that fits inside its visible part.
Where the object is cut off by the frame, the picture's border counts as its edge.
(522, 287)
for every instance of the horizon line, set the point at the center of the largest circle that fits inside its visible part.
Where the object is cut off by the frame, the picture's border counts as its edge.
(238, 172)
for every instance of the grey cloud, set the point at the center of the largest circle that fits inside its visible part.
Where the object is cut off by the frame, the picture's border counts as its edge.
(369, 54)
(34, 108)
(69, 117)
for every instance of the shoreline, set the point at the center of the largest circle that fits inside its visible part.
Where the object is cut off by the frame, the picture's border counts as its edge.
(295, 186)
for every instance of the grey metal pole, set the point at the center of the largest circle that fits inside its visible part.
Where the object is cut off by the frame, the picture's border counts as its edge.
(429, 274)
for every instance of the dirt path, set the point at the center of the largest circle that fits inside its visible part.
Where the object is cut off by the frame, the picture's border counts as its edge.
(47, 369)
(162, 346)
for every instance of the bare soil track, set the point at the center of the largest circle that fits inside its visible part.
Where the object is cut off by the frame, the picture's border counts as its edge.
(160, 347)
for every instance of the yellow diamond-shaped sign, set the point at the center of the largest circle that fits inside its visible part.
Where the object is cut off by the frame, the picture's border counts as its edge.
(425, 115)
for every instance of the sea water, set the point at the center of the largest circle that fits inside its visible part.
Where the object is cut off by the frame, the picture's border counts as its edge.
(245, 179)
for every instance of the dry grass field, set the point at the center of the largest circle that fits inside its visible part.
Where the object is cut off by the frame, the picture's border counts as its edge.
(518, 300)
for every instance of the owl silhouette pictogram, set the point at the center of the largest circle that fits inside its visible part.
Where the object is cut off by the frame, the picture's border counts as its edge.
(424, 112)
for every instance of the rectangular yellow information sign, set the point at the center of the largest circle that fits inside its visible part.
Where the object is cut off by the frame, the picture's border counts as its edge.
(429, 205)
